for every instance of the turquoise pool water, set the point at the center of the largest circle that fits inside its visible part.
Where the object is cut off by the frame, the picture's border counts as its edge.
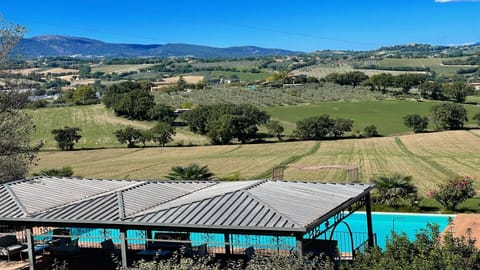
(383, 225)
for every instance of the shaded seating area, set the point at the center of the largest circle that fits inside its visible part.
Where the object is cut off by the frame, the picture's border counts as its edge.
(9, 246)
(199, 217)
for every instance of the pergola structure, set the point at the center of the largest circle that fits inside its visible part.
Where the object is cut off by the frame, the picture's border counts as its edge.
(302, 210)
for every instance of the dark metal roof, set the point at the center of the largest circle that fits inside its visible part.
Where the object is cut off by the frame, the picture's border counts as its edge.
(245, 205)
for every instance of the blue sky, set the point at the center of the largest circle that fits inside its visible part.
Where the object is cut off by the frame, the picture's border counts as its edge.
(296, 25)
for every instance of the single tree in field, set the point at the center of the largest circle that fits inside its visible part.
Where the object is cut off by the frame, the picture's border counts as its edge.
(370, 131)
(275, 128)
(417, 122)
(131, 136)
(448, 116)
(395, 188)
(67, 137)
(191, 172)
(162, 133)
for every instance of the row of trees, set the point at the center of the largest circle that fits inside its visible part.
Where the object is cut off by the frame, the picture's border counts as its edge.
(162, 133)
(456, 91)
(378, 82)
(319, 127)
(133, 100)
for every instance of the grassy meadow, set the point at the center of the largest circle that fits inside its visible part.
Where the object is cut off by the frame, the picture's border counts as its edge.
(97, 124)
(435, 64)
(242, 76)
(386, 115)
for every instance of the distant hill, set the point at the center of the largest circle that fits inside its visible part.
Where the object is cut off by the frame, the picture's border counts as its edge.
(53, 45)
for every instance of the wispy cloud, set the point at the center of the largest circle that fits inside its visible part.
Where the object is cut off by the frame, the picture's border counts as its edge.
(448, 1)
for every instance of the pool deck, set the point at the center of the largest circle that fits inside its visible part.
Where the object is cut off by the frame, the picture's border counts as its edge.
(464, 222)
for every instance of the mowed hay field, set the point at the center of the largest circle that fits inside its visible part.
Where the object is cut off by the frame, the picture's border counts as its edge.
(249, 161)
(430, 158)
(97, 124)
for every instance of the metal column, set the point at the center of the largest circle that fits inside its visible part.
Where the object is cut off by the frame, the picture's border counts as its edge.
(226, 237)
(31, 248)
(368, 208)
(123, 246)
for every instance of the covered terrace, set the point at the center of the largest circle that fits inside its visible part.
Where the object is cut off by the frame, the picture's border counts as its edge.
(277, 217)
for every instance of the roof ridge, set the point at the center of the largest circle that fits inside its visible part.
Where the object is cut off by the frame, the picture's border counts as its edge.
(272, 208)
(16, 200)
(257, 183)
(213, 183)
(93, 196)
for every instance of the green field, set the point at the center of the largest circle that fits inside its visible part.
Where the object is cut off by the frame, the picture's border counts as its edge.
(386, 115)
(97, 124)
(430, 158)
(435, 64)
(242, 76)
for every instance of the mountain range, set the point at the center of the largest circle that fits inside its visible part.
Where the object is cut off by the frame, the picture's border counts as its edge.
(55, 45)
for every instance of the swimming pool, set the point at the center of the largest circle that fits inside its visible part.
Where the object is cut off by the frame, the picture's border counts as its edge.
(383, 225)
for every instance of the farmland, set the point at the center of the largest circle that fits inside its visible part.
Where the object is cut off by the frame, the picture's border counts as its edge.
(97, 124)
(386, 115)
(429, 158)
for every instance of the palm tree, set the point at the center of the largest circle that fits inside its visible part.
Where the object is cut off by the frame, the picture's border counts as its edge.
(393, 189)
(191, 172)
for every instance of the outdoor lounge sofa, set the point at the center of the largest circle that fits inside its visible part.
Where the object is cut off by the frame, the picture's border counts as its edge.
(9, 246)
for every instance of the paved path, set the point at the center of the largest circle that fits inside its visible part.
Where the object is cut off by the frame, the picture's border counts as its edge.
(462, 223)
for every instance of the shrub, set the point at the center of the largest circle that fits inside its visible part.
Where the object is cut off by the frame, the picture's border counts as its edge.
(476, 117)
(415, 121)
(62, 172)
(370, 131)
(454, 192)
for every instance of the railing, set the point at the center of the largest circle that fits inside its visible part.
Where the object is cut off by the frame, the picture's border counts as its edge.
(348, 244)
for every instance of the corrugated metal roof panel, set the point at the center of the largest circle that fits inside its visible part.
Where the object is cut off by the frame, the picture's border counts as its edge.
(257, 204)
(9, 206)
(45, 192)
(155, 193)
(305, 201)
(99, 208)
(234, 209)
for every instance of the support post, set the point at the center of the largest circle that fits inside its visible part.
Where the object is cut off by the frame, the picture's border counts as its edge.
(148, 236)
(123, 247)
(31, 248)
(368, 208)
(226, 237)
(299, 238)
